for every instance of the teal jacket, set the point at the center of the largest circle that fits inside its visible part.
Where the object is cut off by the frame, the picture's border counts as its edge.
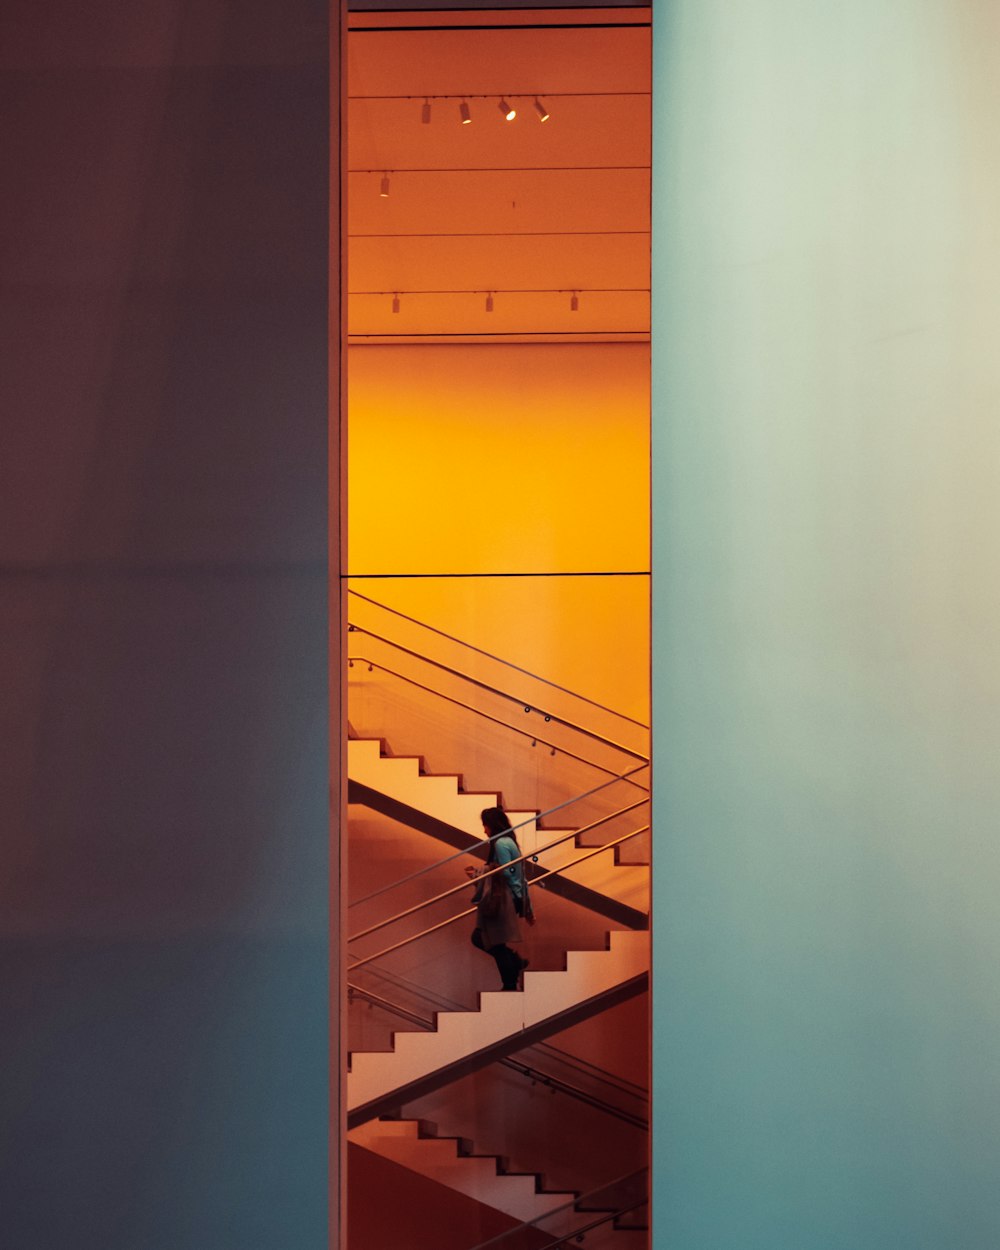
(506, 849)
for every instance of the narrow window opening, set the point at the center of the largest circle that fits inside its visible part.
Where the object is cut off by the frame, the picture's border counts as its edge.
(497, 590)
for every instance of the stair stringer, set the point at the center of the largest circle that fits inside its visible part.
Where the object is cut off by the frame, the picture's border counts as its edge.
(482, 1178)
(435, 805)
(380, 1081)
(477, 1176)
(437, 794)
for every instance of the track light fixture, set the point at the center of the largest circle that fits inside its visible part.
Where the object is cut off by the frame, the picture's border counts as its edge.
(384, 187)
(508, 110)
(489, 298)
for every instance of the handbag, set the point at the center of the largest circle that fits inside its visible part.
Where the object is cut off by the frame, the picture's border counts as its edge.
(491, 900)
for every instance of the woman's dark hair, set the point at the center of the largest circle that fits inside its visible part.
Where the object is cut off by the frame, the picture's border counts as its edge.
(495, 821)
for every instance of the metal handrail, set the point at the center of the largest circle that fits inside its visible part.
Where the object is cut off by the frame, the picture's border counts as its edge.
(528, 707)
(440, 1002)
(578, 1234)
(533, 1074)
(490, 656)
(549, 872)
(563, 1239)
(396, 1009)
(471, 850)
(464, 885)
(620, 1083)
(468, 707)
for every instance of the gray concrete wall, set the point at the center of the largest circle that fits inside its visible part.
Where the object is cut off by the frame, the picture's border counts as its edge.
(163, 605)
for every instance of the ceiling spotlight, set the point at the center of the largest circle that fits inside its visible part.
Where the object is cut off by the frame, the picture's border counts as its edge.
(425, 112)
(464, 113)
(395, 303)
(541, 110)
(384, 187)
(508, 110)
(489, 302)
(574, 303)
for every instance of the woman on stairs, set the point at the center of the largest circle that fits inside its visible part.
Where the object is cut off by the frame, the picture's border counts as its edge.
(501, 899)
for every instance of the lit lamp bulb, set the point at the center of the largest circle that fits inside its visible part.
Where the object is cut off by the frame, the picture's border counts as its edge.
(541, 110)
(384, 187)
(508, 110)
(465, 113)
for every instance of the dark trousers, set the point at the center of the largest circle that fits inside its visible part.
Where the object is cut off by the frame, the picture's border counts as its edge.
(508, 962)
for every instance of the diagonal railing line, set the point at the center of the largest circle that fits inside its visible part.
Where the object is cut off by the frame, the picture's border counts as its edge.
(498, 659)
(577, 1234)
(464, 885)
(443, 924)
(469, 850)
(547, 1050)
(470, 707)
(535, 1075)
(495, 690)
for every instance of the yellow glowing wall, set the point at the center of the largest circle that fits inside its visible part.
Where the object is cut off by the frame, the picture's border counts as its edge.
(525, 460)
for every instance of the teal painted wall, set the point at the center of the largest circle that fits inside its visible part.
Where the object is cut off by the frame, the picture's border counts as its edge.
(827, 620)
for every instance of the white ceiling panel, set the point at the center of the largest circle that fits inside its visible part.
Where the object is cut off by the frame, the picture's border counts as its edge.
(559, 261)
(514, 314)
(581, 130)
(505, 201)
(528, 210)
(526, 61)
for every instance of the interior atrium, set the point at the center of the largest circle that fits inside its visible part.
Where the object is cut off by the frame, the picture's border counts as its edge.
(497, 599)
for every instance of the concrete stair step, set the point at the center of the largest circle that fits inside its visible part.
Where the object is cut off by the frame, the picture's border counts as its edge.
(502, 1022)
(439, 797)
(477, 1176)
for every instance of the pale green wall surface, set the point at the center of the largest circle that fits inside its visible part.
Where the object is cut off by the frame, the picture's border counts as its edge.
(826, 430)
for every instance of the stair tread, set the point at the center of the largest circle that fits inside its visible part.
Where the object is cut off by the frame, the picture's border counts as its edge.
(442, 797)
(480, 1176)
(501, 1018)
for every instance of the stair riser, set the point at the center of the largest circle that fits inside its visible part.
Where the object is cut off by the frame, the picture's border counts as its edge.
(423, 1062)
(437, 797)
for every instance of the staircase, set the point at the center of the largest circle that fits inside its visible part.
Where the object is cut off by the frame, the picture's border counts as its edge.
(448, 1160)
(451, 1161)
(380, 1081)
(438, 796)
(409, 677)
(437, 804)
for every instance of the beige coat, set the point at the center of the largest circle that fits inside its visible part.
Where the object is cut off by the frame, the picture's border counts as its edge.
(504, 926)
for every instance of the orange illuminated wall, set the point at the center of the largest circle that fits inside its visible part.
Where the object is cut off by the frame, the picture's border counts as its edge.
(513, 459)
(497, 445)
(516, 458)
